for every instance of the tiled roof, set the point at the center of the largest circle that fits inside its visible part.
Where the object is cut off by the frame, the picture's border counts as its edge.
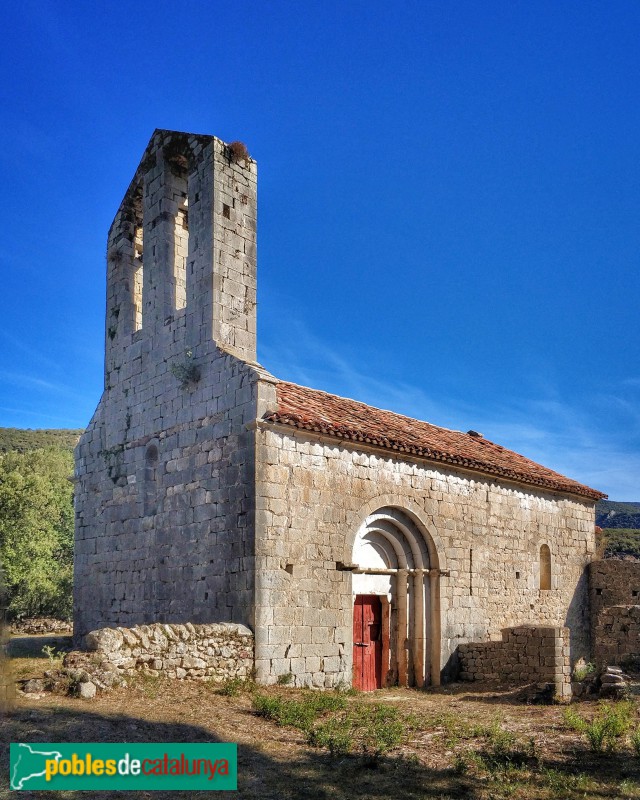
(330, 415)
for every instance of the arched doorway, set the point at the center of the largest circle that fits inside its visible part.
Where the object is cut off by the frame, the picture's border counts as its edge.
(396, 594)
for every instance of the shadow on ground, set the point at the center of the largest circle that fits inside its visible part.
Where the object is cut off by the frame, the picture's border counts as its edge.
(310, 775)
(34, 646)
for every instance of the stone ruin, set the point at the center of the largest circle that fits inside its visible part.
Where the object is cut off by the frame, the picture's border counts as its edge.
(526, 654)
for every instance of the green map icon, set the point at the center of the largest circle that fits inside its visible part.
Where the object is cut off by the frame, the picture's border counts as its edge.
(28, 762)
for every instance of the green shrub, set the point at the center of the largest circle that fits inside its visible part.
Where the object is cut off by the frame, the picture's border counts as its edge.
(563, 783)
(234, 686)
(581, 673)
(267, 706)
(505, 752)
(597, 734)
(574, 721)
(456, 729)
(335, 735)
(379, 728)
(297, 713)
(54, 656)
(371, 729)
(635, 741)
(610, 723)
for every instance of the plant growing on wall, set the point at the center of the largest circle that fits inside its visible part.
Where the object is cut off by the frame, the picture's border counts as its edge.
(186, 371)
(237, 151)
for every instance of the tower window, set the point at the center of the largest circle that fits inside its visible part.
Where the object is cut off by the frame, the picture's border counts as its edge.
(181, 252)
(178, 192)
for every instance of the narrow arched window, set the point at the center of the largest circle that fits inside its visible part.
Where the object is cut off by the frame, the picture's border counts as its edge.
(545, 567)
(178, 192)
(150, 480)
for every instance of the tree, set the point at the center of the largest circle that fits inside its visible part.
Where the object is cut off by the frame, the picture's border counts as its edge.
(36, 531)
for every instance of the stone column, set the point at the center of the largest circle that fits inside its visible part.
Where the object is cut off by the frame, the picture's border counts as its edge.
(401, 601)
(418, 629)
(434, 586)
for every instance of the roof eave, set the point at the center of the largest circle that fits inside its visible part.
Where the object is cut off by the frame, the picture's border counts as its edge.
(438, 457)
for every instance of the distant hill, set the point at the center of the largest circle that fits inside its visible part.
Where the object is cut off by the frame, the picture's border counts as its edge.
(620, 523)
(23, 439)
(617, 515)
(621, 542)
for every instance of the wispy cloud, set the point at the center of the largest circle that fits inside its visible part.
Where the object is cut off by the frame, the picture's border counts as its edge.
(34, 355)
(26, 381)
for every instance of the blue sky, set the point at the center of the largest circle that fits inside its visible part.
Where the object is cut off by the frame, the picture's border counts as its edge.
(449, 203)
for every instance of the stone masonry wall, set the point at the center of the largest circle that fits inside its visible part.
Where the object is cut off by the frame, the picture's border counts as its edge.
(312, 496)
(614, 598)
(526, 654)
(612, 582)
(617, 636)
(216, 652)
(165, 470)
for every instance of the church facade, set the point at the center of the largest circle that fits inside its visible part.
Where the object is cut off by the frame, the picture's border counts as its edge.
(356, 543)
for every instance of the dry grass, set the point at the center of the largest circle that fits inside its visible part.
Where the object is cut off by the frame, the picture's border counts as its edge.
(463, 741)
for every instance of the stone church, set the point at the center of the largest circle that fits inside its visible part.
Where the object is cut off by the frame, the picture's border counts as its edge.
(354, 542)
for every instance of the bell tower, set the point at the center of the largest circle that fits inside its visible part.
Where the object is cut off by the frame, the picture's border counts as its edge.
(181, 252)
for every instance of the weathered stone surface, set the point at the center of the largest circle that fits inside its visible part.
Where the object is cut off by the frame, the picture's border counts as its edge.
(158, 653)
(520, 658)
(106, 640)
(34, 685)
(617, 636)
(86, 690)
(612, 679)
(165, 487)
(614, 592)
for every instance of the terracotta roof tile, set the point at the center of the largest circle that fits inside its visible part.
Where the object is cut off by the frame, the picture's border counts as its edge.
(330, 415)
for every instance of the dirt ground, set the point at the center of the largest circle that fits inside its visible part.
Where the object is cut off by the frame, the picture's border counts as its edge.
(437, 760)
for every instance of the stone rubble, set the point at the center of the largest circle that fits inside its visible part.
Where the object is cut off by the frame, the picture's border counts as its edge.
(31, 625)
(614, 684)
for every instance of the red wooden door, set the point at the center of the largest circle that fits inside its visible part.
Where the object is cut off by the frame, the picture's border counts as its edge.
(367, 642)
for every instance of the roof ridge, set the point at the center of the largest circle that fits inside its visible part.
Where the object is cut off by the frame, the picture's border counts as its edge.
(378, 408)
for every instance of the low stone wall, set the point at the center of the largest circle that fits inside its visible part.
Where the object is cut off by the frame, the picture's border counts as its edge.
(42, 625)
(217, 652)
(617, 636)
(526, 654)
